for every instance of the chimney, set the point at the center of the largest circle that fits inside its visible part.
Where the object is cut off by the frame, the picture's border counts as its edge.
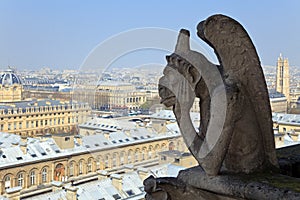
(13, 193)
(128, 168)
(14, 144)
(23, 147)
(143, 173)
(56, 185)
(102, 174)
(149, 128)
(159, 126)
(117, 181)
(106, 135)
(78, 139)
(24, 139)
(71, 192)
(127, 132)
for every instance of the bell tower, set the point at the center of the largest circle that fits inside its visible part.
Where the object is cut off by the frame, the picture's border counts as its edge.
(283, 77)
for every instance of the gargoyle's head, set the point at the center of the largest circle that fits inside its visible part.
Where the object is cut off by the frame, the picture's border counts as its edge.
(167, 82)
(171, 84)
(177, 69)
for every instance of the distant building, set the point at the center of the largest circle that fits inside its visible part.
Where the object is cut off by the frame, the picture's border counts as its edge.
(118, 95)
(33, 117)
(196, 106)
(175, 157)
(286, 129)
(278, 102)
(10, 87)
(31, 166)
(295, 98)
(283, 77)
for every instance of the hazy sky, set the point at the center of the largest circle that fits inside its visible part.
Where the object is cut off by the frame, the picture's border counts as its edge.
(61, 34)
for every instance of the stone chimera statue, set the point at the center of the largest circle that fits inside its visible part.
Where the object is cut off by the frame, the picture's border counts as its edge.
(235, 134)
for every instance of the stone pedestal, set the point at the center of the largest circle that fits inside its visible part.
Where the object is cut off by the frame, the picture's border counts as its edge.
(194, 184)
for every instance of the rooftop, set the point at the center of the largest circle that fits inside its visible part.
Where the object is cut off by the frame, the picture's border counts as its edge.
(282, 118)
(45, 148)
(131, 188)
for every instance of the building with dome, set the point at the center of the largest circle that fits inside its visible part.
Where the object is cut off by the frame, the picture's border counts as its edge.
(10, 87)
(33, 117)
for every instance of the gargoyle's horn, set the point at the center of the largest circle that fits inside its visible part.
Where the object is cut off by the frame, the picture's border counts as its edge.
(183, 42)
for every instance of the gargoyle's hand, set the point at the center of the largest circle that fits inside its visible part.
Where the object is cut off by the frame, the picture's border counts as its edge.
(185, 95)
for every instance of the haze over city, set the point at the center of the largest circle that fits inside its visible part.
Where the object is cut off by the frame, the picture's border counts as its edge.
(114, 100)
(61, 34)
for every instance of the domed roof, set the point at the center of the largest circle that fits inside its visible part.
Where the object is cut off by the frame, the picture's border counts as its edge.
(9, 78)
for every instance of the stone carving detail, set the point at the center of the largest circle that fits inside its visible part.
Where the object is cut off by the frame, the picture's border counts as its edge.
(235, 133)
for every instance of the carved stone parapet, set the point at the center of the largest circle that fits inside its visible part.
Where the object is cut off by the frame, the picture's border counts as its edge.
(194, 184)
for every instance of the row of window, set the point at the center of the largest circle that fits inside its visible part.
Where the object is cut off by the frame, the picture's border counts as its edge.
(135, 99)
(35, 177)
(107, 162)
(41, 109)
(20, 179)
(35, 124)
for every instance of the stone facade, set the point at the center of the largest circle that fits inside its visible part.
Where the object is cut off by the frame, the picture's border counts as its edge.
(33, 176)
(37, 120)
(31, 117)
(116, 95)
(279, 104)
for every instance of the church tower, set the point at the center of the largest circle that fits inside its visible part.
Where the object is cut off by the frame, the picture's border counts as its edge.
(10, 87)
(283, 77)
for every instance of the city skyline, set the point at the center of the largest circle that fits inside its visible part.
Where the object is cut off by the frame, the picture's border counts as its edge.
(60, 35)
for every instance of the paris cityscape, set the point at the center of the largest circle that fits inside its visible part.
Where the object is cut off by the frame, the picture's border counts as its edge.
(97, 129)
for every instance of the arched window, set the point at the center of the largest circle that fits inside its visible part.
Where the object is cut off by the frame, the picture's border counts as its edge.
(80, 167)
(129, 156)
(156, 150)
(163, 147)
(106, 161)
(71, 169)
(114, 160)
(150, 152)
(122, 155)
(7, 182)
(44, 175)
(144, 153)
(98, 163)
(59, 172)
(32, 178)
(20, 179)
(179, 146)
(136, 155)
(171, 146)
(90, 165)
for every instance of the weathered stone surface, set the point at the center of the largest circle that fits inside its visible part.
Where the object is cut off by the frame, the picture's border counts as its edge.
(289, 160)
(235, 133)
(194, 183)
(235, 143)
(173, 189)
